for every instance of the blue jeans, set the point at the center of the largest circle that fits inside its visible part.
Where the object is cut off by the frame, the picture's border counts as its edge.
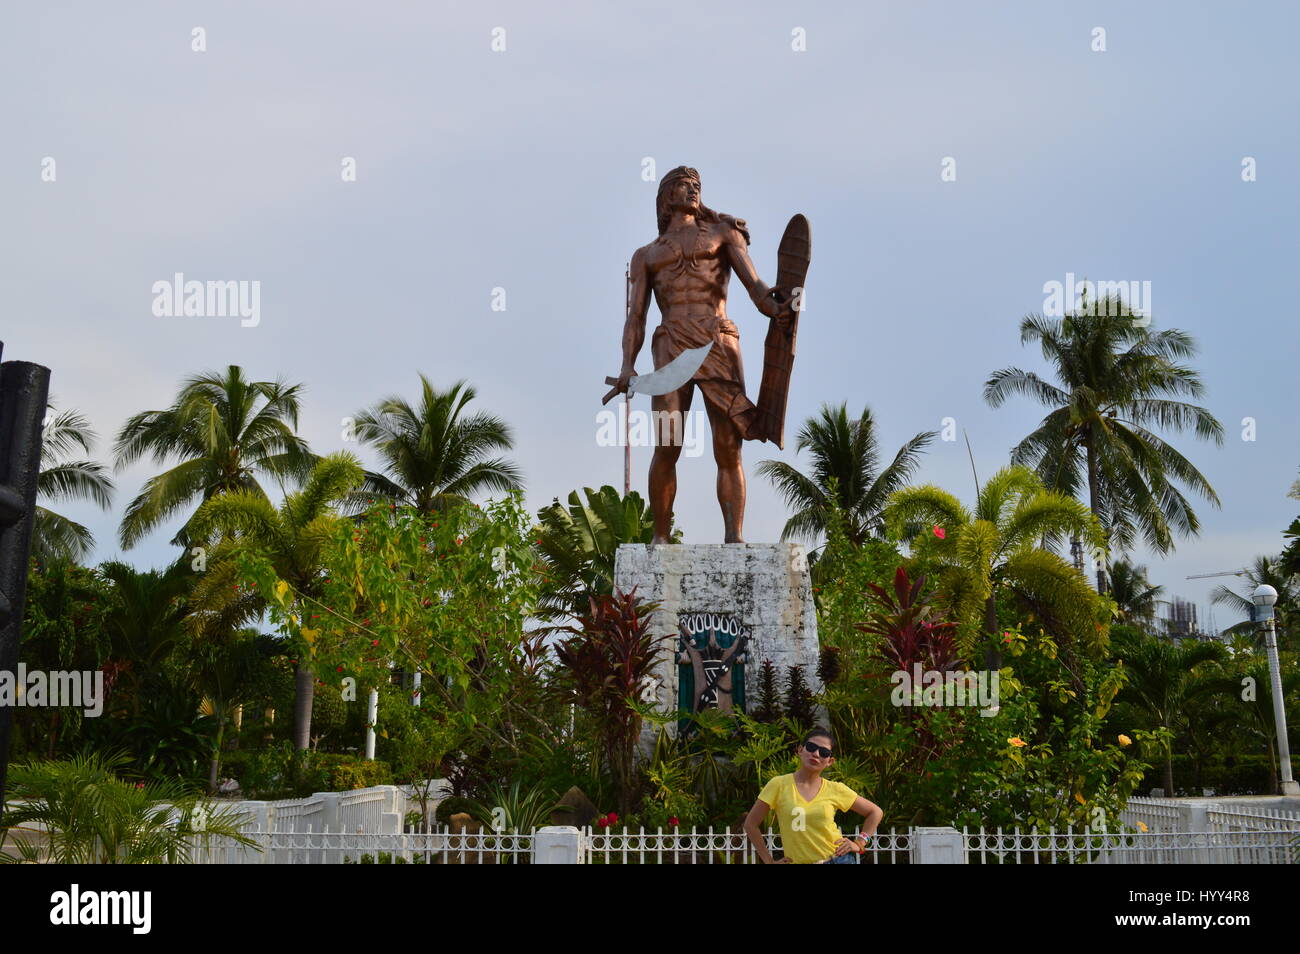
(850, 859)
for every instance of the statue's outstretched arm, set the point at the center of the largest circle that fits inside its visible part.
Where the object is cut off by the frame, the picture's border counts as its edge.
(639, 306)
(759, 293)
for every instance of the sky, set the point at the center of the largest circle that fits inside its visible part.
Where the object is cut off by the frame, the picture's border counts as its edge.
(953, 159)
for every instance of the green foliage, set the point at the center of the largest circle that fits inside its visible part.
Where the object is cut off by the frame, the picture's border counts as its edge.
(224, 429)
(64, 629)
(1232, 775)
(767, 698)
(446, 594)
(714, 775)
(281, 772)
(515, 808)
(455, 805)
(799, 702)
(1117, 381)
(994, 552)
(841, 580)
(344, 773)
(847, 475)
(578, 544)
(63, 477)
(435, 455)
(92, 816)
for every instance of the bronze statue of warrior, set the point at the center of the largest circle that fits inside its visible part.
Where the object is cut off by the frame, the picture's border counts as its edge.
(688, 268)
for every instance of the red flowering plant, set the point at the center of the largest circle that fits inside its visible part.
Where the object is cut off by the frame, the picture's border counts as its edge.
(606, 664)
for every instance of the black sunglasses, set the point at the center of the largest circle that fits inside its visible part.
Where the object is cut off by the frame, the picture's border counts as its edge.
(813, 747)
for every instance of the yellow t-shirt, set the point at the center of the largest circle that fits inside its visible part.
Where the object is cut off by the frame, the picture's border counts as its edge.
(808, 832)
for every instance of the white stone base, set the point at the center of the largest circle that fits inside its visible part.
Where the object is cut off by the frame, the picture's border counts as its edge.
(765, 585)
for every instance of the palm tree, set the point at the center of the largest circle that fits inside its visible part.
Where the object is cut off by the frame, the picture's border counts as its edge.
(89, 815)
(1270, 571)
(1134, 596)
(145, 623)
(849, 452)
(1116, 381)
(432, 457)
(1164, 678)
(995, 549)
(225, 430)
(291, 536)
(1257, 716)
(62, 478)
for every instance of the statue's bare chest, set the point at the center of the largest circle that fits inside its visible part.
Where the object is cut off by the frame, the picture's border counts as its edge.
(693, 249)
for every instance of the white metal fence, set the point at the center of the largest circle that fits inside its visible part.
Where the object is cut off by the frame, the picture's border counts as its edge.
(433, 846)
(375, 810)
(710, 846)
(913, 846)
(365, 827)
(1014, 846)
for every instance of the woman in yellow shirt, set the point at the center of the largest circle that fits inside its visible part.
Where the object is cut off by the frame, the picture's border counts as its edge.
(805, 806)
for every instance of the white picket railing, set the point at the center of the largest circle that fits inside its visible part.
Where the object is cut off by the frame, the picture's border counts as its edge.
(914, 846)
(432, 846)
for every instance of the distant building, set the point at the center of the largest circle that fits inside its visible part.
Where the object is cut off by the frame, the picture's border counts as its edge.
(1177, 620)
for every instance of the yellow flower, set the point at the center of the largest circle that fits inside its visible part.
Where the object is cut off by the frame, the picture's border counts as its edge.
(1125, 740)
(1142, 825)
(1079, 798)
(1017, 741)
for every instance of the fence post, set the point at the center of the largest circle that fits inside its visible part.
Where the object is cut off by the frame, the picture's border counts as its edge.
(557, 845)
(259, 816)
(329, 812)
(938, 846)
(1196, 820)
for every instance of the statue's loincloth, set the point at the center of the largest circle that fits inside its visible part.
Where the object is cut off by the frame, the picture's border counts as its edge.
(721, 378)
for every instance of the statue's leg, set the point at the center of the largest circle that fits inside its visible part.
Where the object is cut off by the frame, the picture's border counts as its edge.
(668, 420)
(727, 442)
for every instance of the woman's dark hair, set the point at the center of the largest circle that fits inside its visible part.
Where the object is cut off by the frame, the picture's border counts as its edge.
(818, 733)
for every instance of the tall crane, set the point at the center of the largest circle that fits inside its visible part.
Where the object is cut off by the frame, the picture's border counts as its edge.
(1203, 576)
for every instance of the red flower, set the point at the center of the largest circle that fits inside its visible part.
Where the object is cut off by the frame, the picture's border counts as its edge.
(613, 819)
(374, 642)
(340, 668)
(938, 532)
(602, 821)
(139, 784)
(673, 821)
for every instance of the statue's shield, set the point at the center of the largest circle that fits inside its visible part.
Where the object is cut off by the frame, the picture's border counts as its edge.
(792, 258)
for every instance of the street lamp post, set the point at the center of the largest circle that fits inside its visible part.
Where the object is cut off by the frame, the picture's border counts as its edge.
(1264, 597)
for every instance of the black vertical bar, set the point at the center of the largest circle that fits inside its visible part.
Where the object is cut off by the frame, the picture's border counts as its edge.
(24, 394)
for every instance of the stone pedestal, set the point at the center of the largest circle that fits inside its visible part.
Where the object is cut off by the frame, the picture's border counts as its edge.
(765, 586)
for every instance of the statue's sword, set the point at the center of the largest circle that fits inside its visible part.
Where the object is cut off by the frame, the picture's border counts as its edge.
(667, 379)
(664, 380)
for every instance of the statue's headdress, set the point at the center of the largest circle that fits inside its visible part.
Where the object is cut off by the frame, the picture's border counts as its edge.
(706, 214)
